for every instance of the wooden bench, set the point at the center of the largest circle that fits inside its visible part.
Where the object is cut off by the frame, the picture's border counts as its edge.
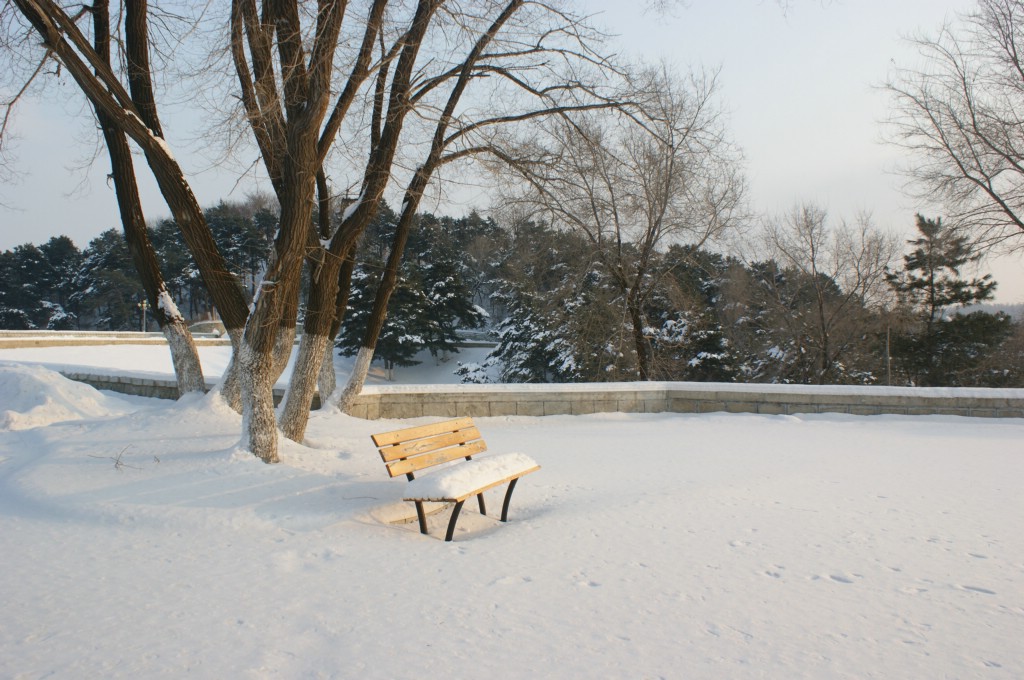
(411, 450)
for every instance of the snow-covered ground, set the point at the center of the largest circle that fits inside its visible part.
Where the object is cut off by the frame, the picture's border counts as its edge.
(137, 541)
(154, 361)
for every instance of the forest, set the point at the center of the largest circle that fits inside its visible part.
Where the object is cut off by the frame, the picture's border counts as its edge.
(557, 314)
(620, 244)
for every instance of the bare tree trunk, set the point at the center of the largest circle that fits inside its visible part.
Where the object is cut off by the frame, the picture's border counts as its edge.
(285, 341)
(375, 323)
(324, 309)
(230, 386)
(302, 386)
(413, 194)
(223, 286)
(327, 379)
(344, 400)
(320, 310)
(643, 355)
(187, 368)
(259, 431)
(103, 90)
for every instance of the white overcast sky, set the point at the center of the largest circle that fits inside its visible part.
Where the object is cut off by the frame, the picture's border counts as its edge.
(800, 86)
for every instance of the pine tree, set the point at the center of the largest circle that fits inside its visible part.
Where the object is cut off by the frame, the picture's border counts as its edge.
(930, 282)
(402, 336)
(59, 281)
(441, 273)
(528, 350)
(20, 290)
(109, 289)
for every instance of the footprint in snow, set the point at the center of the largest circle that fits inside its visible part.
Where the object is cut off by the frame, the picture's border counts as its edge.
(839, 578)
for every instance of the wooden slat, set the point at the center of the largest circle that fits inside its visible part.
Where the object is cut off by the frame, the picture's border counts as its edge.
(427, 444)
(480, 490)
(401, 467)
(395, 436)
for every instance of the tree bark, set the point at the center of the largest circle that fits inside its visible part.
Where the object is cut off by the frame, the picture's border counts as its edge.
(346, 397)
(328, 382)
(388, 283)
(224, 287)
(327, 379)
(302, 106)
(105, 92)
(319, 329)
(187, 368)
(643, 357)
(320, 311)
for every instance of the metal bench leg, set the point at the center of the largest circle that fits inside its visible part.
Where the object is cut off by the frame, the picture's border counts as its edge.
(480, 501)
(453, 520)
(508, 497)
(422, 516)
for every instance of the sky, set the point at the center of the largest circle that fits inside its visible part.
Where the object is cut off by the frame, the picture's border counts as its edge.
(800, 84)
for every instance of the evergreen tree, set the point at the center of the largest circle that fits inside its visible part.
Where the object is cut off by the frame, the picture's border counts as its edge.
(181, 275)
(402, 336)
(20, 292)
(243, 237)
(930, 280)
(939, 347)
(432, 300)
(528, 350)
(109, 290)
(688, 341)
(442, 275)
(37, 285)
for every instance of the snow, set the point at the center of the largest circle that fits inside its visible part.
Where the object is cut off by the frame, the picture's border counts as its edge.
(464, 477)
(160, 141)
(154, 362)
(351, 208)
(657, 545)
(31, 396)
(166, 303)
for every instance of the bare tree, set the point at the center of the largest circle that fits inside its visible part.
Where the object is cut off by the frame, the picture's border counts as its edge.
(185, 358)
(307, 76)
(961, 115)
(838, 276)
(635, 180)
(66, 47)
(536, 92)
(135, 114)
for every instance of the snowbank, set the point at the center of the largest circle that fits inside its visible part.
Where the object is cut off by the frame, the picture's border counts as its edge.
(148, 545)
(32, 396)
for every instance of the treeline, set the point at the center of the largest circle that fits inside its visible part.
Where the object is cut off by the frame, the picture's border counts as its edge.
(57, 286)
(559, 315)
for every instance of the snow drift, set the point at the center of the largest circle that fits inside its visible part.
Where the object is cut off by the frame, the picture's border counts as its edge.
(32, 396)
(147, 545)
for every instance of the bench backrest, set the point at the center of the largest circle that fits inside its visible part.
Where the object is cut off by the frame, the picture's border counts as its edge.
(415, 448)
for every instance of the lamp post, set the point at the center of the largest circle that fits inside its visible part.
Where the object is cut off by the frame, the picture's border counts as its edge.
(144, 305)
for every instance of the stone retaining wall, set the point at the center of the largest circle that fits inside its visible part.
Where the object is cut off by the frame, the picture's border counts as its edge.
(20, 339)
(449, 401)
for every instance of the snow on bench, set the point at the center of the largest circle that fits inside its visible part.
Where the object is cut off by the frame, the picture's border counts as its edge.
(413, 449)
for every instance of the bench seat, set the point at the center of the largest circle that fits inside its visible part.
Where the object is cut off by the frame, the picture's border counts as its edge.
(469, 477)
